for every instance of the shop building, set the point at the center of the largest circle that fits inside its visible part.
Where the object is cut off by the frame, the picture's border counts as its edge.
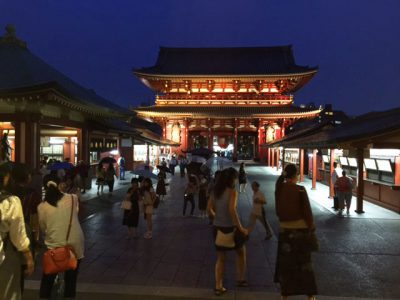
(366, 147)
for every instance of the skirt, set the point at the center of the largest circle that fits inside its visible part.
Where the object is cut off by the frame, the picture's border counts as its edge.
(294, 271)
(131, 217)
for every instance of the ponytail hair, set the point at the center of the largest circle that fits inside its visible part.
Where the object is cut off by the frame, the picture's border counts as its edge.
(53, 194)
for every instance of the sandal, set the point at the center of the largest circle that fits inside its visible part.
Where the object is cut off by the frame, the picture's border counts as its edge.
(220, 292)
(242, 283)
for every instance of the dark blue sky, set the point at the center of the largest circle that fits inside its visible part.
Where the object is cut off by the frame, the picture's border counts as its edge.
(356, 43)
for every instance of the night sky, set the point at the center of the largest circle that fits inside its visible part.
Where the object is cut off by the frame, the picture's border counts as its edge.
(355, 43)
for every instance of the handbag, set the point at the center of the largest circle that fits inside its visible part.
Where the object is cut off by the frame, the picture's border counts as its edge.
(126, 204)
(61, 259)
(226, 240)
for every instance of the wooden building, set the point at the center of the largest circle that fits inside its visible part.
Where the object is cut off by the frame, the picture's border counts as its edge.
(231, 100)
(45, 113)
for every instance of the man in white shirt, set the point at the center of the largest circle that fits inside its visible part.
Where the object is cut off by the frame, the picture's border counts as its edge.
(336, 173)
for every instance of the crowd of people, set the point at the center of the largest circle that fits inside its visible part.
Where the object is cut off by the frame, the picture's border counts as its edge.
(25, 211)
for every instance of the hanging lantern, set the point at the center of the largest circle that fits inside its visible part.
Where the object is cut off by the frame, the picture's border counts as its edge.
(223, 142)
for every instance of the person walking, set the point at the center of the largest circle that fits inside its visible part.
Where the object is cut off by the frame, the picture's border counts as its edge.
(54, 218)
(336, 173)
(182, 165)
(344, 187)
(172, 164)
(131, 216)
(109, 178)
(222, 206)
(203, 189)
(258, 211)
(149, 197)
(161, 191)
(14, 242)
(100, 178)
(294, 271)
(242, 178)
(191, 190)
(121, 165)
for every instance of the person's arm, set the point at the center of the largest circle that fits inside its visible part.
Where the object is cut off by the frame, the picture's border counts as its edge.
(308, 215)
(233, 212)
(211, 207)
(18, 235)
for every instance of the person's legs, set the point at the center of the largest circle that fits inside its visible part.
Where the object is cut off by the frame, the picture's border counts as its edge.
(191, 199)
(70, 278)
(348, 201)
(219, 270)
(252, 222)
(46, 285)
(264, 221)
(149, 223)
(241, 264)
(185, 201)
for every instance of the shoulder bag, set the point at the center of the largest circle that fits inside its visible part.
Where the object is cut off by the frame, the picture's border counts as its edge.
(61, 259)
(126, 203)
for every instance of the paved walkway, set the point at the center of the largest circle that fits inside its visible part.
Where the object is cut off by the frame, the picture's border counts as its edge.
(359, 257)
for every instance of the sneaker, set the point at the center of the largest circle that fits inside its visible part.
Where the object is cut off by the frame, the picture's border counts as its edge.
(348, 212)
(148, 235)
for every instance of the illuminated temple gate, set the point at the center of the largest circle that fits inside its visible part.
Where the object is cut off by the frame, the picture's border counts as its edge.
(228, 99)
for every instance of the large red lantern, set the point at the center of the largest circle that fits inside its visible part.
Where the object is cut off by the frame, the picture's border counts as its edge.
(223, 142)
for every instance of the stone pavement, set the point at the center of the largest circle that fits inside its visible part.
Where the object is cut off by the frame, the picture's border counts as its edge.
(359, 256)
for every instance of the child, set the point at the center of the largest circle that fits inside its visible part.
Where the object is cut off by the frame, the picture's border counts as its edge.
(258, 212)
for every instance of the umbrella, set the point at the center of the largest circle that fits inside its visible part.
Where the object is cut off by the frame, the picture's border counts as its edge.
(146, 173)
(60, 165)
(218, 163)
(107, 160)
(198, 159)
(163, 168)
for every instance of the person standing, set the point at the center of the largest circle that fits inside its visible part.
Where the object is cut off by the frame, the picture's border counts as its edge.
(203, 188)
(294, 271)
(54, 217)
(131, 216)
(242, 178)
(161, 191)
(109, 178)
(121, 164)
(172, 164)
(182, 165)
(149, 197)
(344, 187)
(191, 190)
(222, 207)
(335, 174)
(14, 242)
(258, 212)
(100, 178)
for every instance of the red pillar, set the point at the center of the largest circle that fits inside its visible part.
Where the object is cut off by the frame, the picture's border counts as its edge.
(332, 169)
(27, 143)
(277, 158)
(83, 145)
(314, 170)
(272, 157)
(186, 134)
(360, 181)
(269, 157)
(283, 159)
(235, 140)
(301, 161)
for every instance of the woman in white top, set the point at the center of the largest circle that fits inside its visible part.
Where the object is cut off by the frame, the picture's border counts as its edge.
(54, 214)
(13, 240)
(258, 212)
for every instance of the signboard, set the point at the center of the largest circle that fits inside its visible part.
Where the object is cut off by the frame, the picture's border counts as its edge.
(384, 165)
(126, 142)
(370, 164)
(343, 161)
